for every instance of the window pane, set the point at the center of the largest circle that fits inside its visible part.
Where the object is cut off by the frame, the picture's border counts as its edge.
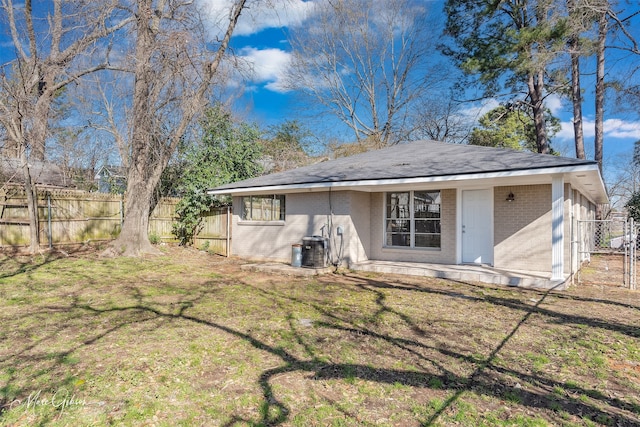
(398, 205)
(246, 208)
(428, 196)
(275, 208)
(398, 239)
(256, 209)
(431, 211)
(426, 204)
(279, 208)
(398, 225)
(427, 240)
(427, 226)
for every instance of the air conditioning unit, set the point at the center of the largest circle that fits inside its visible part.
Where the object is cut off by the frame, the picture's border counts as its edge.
(314, 251)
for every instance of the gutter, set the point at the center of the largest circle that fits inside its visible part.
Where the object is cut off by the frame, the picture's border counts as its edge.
(310, 186)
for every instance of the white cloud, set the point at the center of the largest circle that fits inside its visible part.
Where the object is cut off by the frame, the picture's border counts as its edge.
(616, 128)
(613, 129)
(267, 66)
(258, 15)
(554, 103)
(566, 131)
(476, 111)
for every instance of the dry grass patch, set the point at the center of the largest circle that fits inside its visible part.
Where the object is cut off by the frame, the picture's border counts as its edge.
(190, 339)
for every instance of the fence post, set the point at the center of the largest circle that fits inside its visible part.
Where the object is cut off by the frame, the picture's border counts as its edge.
(49, 228)
(121, 211)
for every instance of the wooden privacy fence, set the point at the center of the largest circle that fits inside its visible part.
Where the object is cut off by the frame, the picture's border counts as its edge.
(70, 217)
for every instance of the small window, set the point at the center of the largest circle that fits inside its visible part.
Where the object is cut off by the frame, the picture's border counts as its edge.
(413, 219)
(263, 208)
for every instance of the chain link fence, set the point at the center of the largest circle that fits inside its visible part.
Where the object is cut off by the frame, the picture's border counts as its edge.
(609, 248)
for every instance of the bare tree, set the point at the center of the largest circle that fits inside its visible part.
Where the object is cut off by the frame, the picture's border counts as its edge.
(623, 181)
(54, 45)
(366, 63)
(287, 146)
(78, 152)
(172, 72)
(440, 119)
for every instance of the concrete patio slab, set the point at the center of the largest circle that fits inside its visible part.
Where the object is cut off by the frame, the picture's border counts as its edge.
(462, 273)
(465, 273)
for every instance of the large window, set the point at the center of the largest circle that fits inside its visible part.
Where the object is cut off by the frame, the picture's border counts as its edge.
(413, 219)
(263, 208)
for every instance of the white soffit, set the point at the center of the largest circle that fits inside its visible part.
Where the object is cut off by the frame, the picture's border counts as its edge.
(584, 177)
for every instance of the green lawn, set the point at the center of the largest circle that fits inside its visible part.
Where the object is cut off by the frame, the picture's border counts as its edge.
(191, 339)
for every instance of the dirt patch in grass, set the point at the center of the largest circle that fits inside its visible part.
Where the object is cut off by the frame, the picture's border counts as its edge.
(604, 270)
(190, 339)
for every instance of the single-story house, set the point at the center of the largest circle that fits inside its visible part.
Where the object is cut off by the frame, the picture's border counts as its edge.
(424, 202)
(111, 179)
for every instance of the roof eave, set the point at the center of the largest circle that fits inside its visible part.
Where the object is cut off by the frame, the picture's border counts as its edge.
(590, 170)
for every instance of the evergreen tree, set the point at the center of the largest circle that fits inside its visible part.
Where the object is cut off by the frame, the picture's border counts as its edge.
(229, 151)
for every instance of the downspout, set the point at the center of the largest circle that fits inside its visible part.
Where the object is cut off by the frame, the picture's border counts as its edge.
(229, 212)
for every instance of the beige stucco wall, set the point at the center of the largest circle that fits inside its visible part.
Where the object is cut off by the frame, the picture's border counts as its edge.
(305, 215)
(445, 255)
(522, 228)
(358, 231)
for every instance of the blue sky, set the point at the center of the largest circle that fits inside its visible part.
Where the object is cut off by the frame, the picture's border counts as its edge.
(261, 40)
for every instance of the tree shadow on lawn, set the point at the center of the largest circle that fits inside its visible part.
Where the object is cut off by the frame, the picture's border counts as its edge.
(482, 380)
(273, 411)
(482, 375)
(53, 366)
(57, 363)
(15, 261)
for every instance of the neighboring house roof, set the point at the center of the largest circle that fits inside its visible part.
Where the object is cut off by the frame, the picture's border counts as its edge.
(111, 171)
(43, 174)
(423, 162)
(111, 179)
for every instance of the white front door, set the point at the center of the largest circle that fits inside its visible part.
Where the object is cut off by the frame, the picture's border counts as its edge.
(477, 226)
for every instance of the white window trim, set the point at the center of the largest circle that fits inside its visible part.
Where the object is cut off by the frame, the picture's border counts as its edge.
(242, 221)
(412, 246)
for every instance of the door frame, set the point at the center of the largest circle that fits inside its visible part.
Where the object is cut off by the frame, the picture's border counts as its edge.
(459, 211)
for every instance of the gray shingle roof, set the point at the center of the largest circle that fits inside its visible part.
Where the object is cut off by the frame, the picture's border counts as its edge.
(420, 159)
(44, 174)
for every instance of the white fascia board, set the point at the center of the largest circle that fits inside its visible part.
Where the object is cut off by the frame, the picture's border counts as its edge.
(283, 188)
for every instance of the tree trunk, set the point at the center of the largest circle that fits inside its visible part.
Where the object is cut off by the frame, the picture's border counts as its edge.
(576, 94)
(599, 119)
(151, 146)
(536, 94)
(40, 126)
(134, 236)
(32, 204)
(131, 242)
(576, 97)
